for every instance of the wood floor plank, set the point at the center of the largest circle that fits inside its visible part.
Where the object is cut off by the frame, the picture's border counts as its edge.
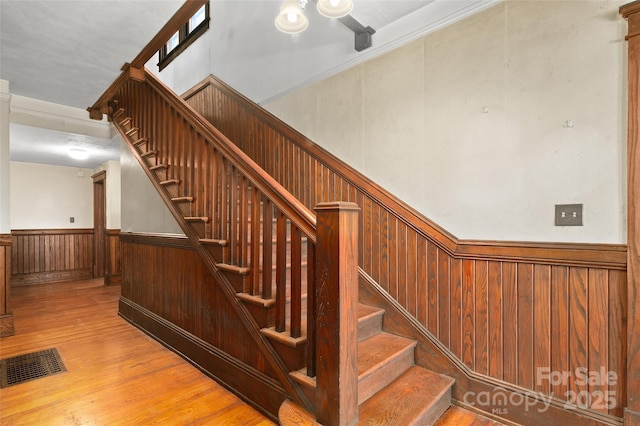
(115, 373)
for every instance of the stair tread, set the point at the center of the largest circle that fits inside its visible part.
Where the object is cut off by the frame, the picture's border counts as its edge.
(233, 268)
(408, 399)
(214, 241)
(196, 219)
(378, 349)
(182, 199)
(365, 311)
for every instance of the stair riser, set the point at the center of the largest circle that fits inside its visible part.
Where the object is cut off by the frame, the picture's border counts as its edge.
(384, 375)
(436, 411)
(369, 326)
(265, 316)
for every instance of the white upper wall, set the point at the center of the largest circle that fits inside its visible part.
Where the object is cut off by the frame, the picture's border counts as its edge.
(45, 197)
(483, 126)
(487, 124)
(244, 48)
(5, 103)
(142, 208)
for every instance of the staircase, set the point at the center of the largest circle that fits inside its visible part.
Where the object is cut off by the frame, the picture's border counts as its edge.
(260, 243)
(392, 390)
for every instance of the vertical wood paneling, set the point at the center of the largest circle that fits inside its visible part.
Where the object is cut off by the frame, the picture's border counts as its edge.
(560, 327)
(46, 255)
(432, 285)
(412, 281)
(541, 326)
(510, 319)
(617, 343)
(525, 325)
(456, 308)
(423, 267)
(444, 286)
(578, 333)
(598, 335)
(495, 316)
(468, 311)
(481, 318)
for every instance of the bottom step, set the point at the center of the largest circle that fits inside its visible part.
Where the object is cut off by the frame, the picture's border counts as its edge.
(416, 397)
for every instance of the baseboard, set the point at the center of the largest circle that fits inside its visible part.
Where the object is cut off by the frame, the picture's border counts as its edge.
(48, 277)
(254, 387)
(6, 325)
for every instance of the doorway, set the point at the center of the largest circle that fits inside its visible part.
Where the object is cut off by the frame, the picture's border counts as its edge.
(99, 223)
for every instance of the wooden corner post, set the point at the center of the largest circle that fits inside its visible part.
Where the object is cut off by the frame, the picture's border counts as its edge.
(336, 321)
(631, 12)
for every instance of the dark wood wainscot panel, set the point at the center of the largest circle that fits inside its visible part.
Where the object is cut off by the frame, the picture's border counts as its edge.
(168, 292)
(6, 315)
(113, 264)
(47, 255)
(512, 314)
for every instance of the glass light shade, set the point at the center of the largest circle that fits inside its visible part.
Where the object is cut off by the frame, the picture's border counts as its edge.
(335, 8)
(78, 154)
(291, 20)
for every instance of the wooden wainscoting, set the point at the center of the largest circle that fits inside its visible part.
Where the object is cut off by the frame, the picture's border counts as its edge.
(113, 265)
(6, 315)
(46, 255)
(168, 292)
(504, 311)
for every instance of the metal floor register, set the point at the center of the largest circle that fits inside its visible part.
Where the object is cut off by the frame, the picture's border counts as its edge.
(23, 368)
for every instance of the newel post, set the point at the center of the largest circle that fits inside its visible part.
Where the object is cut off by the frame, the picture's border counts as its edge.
(336, 321)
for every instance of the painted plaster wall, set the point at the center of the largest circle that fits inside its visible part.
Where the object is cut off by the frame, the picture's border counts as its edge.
(45, 197)
(142, 208)
(487, 124)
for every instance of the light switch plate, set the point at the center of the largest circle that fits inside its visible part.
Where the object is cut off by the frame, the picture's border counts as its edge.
(568, 214)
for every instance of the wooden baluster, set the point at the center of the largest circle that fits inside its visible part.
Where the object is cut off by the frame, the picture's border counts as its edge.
(336, 321)
(243, 223)
(233, 216)
(296, 282)
(224, 203)
(281, 272)
(214, 200)
(255, 241)
(311, 309)
(267, 249)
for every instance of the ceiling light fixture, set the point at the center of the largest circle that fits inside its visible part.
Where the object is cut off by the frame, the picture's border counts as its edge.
(78, 154)
(291, 19)
(335, 8)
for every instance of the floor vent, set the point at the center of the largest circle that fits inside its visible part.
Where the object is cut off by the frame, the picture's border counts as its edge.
(22, 368)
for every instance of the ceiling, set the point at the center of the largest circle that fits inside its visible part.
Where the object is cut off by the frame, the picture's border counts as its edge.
(67, 52)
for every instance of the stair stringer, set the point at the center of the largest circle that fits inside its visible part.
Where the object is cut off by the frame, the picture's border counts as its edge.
(262, 343)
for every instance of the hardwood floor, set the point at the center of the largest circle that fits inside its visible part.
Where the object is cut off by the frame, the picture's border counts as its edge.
(115, 373)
